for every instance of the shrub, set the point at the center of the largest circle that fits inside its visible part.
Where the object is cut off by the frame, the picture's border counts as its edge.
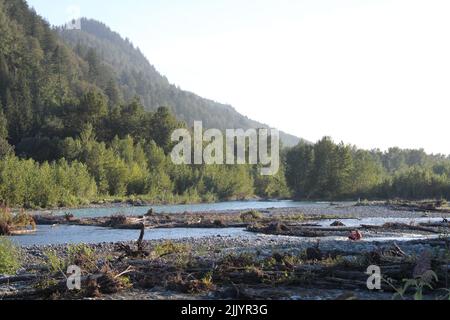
(169, 247)
(30, 184)
(10, 222)
(10, 257)
(5, 221)
(117, 220)
(79, 255)
(82, 256)
(250, 216)
(219, 223)
(23, 220)
(54, 262)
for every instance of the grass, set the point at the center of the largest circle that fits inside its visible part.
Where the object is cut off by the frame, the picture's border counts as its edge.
(82, 256)
(79, 255)
(251, 216)
(10, 257)
(169, 247)
(54, 262)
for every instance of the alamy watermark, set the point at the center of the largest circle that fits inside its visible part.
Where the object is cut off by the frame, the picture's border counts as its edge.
(74, 278)
(252, 146)
(374, 280)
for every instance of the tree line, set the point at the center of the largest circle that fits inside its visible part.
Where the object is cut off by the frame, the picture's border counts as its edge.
(326, 170)
(71, 132)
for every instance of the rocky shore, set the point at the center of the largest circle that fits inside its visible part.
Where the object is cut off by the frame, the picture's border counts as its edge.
(293, 254)
(266, 267)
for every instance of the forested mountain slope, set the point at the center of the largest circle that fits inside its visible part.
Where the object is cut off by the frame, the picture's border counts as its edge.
(71, 130)
(137, 77)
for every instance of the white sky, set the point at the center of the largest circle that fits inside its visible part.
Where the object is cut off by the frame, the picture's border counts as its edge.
(371, 73)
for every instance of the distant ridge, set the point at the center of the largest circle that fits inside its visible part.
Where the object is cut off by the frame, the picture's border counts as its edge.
(138, 78)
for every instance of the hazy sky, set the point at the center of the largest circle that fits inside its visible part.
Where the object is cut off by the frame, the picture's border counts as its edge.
(375, 73)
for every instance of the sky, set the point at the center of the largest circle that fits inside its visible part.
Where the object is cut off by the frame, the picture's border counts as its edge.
(373, 73)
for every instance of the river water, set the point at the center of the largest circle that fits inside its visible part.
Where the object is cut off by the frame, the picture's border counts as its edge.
(220, 206)
(46, 235)
(63, 234)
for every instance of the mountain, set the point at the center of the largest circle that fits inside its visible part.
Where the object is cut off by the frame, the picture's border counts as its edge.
(136, 77)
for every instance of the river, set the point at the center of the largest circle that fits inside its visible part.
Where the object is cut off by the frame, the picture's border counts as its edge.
(204, 207)
(62, 234)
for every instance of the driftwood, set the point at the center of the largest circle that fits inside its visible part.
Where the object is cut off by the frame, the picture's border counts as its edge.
(401, 226)
(421, 206)
(141, 238)
(91, 286)
(21, 232)
(132, 253)
(20, 278)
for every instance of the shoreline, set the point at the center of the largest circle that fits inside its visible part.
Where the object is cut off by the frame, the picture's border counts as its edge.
(237, 218)
(268, 267)
(400, 204)
(290, 254)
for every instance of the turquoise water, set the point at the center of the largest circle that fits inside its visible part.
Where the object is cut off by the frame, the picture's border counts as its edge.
(221, 206)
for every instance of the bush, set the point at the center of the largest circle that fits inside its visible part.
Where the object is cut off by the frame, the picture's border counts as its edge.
(9, 257)
(5, 221)
(168, 248)
(26, 183)
(117, 220)
(23, 220)
(10, 222)
(250, 216)
(54, 262)
(82, 256)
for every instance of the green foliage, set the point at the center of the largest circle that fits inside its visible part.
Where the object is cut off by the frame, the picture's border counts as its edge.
(30, 184)
(170, 247)
(272, 187)
(81, 118)
(326, 170)
(123, 72)
(418, 284)
(10, 257)
(55, 263)
(10, 222)
(82, 256)
(250, 216)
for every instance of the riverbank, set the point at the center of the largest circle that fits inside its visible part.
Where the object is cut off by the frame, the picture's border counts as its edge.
(266, 267)
(302, 252)
(214, 216)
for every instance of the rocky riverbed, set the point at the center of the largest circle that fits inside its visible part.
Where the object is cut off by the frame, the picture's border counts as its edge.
(291, 254)
(265, 267)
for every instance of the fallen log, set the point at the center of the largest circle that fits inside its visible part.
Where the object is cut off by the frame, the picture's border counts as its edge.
(401, 226)
(90, 286)
(20, 278)
(21, 232)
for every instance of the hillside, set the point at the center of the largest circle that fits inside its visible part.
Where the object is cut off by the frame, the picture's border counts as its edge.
(137, 77)
(72, 132)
